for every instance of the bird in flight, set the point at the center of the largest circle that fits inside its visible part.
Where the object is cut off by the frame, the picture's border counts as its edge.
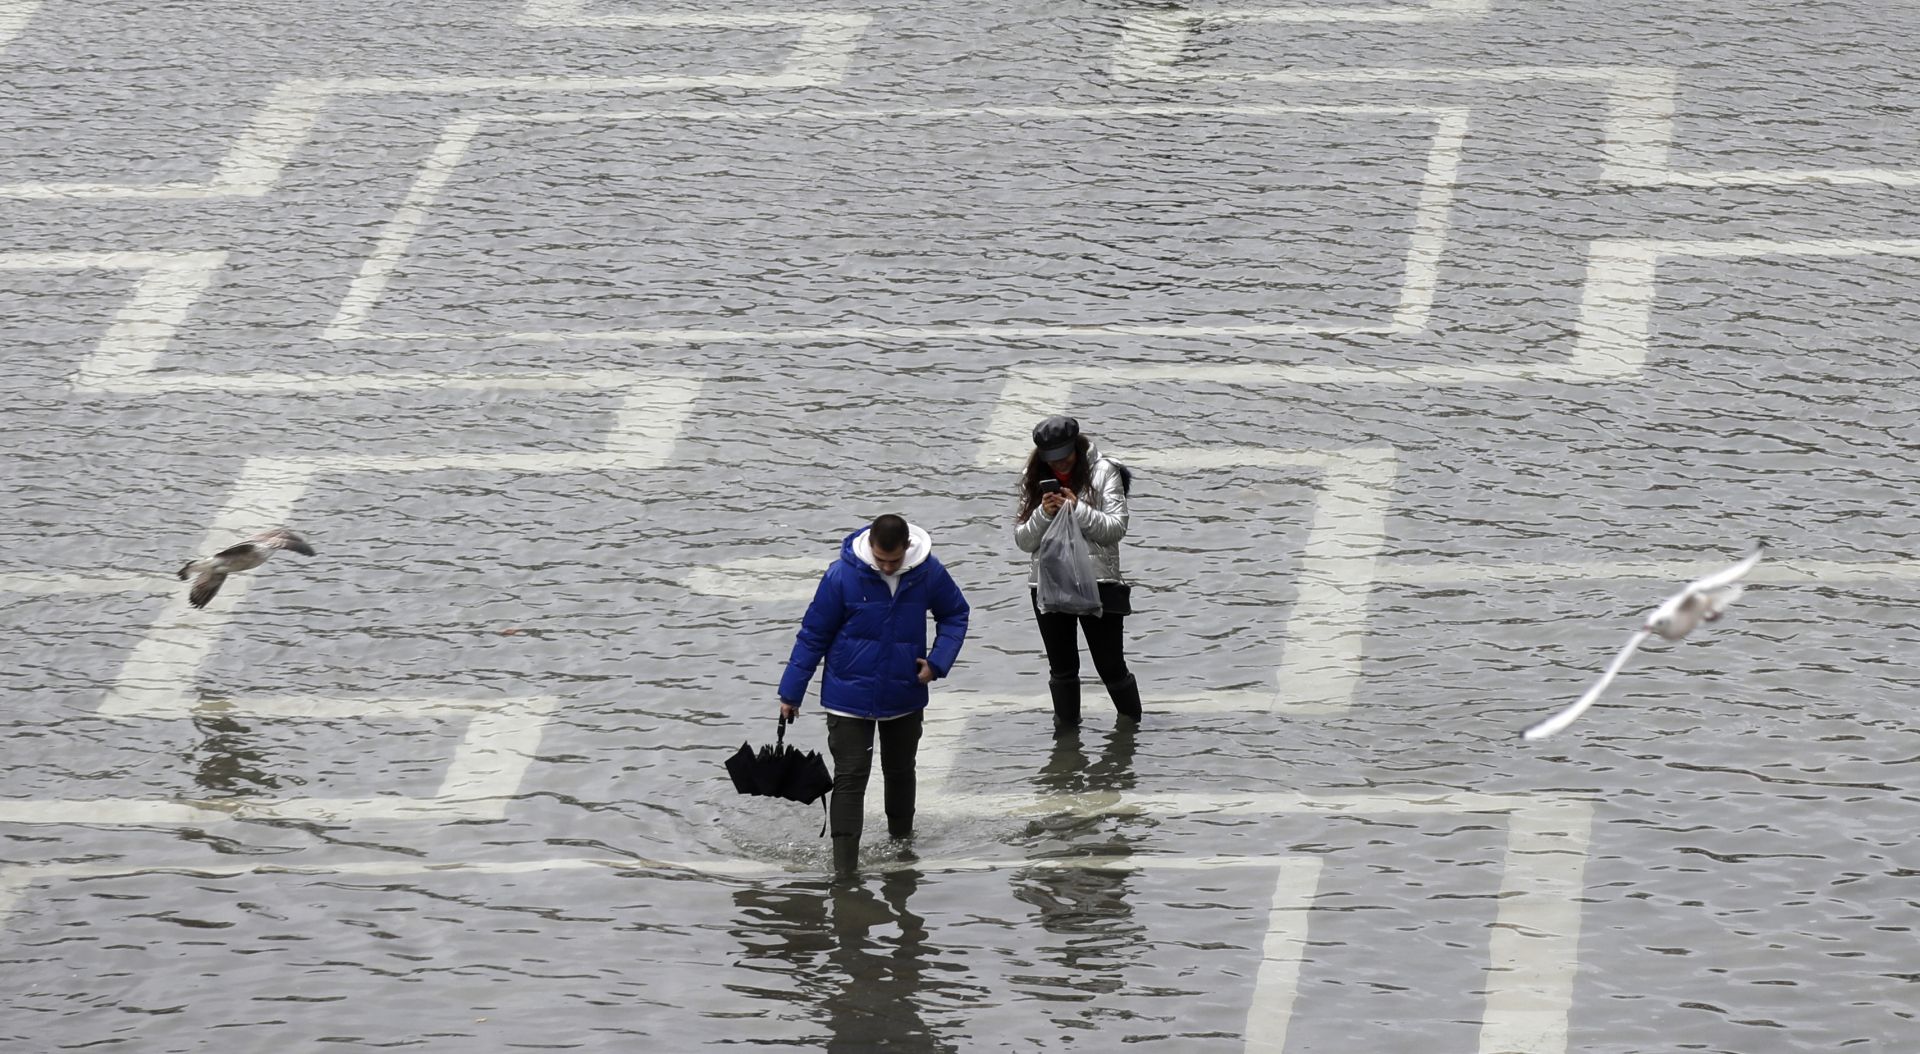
(208, 574)
(1703, 600)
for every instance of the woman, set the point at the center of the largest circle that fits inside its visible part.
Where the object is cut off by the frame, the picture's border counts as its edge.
(1093, 490)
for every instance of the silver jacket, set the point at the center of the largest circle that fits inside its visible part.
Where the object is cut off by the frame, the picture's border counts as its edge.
(1102, 516)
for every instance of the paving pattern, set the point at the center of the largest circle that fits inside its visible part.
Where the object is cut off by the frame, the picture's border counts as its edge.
(1443, 338)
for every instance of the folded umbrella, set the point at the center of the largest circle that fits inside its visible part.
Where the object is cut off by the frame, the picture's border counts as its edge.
(740, 767)
(780, 771)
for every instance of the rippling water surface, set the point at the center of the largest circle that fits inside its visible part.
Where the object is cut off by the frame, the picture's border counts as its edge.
(1444, 340)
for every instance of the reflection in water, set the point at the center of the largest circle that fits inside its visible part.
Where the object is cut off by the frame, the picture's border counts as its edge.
(1087, 907)
(862, 959)
(227, 761)
(1068, 770)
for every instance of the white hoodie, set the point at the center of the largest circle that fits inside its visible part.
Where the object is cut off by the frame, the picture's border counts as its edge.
(919, 547)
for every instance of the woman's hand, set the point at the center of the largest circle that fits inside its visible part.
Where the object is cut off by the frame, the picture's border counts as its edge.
(1052, 503)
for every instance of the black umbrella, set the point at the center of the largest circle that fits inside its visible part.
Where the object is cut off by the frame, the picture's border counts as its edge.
(780, 771)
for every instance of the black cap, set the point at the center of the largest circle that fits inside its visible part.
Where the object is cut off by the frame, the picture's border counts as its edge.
(1055, 437)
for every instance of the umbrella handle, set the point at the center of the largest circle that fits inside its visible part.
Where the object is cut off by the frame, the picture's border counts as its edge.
(780, 738)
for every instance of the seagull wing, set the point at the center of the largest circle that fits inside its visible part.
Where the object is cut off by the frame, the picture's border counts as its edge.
(204, 587)
(1725, 577)
(1566, 717)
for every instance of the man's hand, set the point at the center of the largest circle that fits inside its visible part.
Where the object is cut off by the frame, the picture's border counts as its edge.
(789, 711)
(926, 670)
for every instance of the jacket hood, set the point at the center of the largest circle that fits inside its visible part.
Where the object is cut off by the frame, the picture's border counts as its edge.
(858, 549)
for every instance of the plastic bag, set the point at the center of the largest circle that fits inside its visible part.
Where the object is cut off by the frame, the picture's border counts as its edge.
(1065, 581)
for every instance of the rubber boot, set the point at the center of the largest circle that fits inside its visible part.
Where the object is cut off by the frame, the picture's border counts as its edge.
(846, 856)
(1126, 696)
(1066, 704)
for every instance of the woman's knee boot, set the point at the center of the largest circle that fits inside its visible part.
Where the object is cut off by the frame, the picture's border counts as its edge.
(1066, 703)
(1126, 696)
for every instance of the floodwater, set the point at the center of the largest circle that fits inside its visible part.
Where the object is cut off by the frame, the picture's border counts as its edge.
(1444, 340)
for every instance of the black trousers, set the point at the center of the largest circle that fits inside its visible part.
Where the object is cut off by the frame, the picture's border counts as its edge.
(1106, 643)
(850, 741)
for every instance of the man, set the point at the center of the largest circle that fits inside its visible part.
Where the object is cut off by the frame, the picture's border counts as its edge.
(868, 619)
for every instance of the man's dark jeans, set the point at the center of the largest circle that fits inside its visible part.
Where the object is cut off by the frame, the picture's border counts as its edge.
(850, 741)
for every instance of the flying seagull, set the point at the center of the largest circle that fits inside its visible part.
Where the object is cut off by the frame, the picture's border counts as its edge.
(208, 574)
(1703, 600)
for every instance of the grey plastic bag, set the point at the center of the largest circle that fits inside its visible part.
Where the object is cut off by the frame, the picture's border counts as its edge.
(1064, 574)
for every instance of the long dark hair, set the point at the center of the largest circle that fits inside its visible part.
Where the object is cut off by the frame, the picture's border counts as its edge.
(1080, 479)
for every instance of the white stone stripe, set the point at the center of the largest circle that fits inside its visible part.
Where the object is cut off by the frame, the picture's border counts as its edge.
(1636, 140)
(145, 326)
(952, 709)
(109, 812)
(1610, 336)
(1321, 664)
(1431, 218)
(764, 579)
(485, 774)
(1230, 803)
(14, 17)
(1638, 130)
(1603, 75)
(1151, 42)
(1617, 305)
(1277, 983)
(260, 154)
(1770, 571)
(1431, 221)
(565, 13)
(1028, 395)
(1325, 633)
(254, 162)
(351, 706)
(1433, 11)
(1790, 177)
(17, 879)
(650, 421)
(371, 282)
(1635, 137)
(501, 740)
(592, 380)
(881, 113)
(1535, 940)
(1256, 375)
(855, 333)
(54, 583)
(158, 677)
(826, 45)
(782, 579)
(1104, 803)
(169, 285)
(1744, 248)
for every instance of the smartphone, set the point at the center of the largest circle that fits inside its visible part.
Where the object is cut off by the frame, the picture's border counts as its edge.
(1049, 486)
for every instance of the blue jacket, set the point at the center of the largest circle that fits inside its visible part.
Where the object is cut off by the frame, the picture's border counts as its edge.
(870, 637)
